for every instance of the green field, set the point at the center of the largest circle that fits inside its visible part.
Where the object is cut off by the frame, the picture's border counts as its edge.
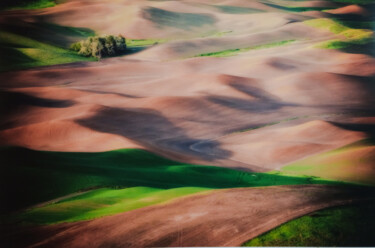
(26, 4)
(236, 51)
(351, 36)
(31, 177)
(340, 226)
(102, 202)
(21, 52)
(51, 47)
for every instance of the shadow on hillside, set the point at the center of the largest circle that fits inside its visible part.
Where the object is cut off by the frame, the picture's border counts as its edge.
(185, 21)
(42, 30)
(150, 129)
(263, 101)
(130, 51)
(369, 129)
(296, 9)
(358, 21)
(368, 49)
(17, 103)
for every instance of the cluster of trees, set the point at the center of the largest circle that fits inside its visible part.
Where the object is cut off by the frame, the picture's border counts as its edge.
(100, 46)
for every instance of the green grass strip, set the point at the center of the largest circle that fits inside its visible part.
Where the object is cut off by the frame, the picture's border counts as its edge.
(236, 51)
(38, 176)
(102, 202)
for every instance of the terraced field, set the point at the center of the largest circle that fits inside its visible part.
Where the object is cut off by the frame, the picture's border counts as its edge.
(225, 123)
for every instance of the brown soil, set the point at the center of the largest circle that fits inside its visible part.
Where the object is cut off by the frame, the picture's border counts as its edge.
(219, 218)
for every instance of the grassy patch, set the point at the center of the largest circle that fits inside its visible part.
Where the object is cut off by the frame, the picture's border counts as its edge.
(102, 202)
(233, 52)
(328, 24)
(144, 42)
(26, 4)
(20, 52)
(340, 226)
(351, 36)
(29, 177)
(338, 44)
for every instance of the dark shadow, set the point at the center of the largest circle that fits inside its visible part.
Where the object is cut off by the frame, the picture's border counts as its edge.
(264, 101)
(41, 30)
(10, 55)
(369, 129)
(29, 177)
(353, 20)
(5, 4)
(108, 92)
(357, 20)
(150, 129)
(129, 51)
(368, 49)
(282, 65)
(253, 91)
(16, 103)
(258, 106)
(296, 9)
(132, 50)
(12, 59)
(9, 98)
(185, 21)
(237, 10)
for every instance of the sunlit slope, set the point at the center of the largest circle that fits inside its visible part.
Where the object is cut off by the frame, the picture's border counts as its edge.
(352, 163)
(101, 202)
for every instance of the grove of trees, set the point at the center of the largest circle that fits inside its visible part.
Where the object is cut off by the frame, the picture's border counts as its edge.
(99, 47)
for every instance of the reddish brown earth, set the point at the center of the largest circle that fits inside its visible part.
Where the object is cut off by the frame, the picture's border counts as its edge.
(257, 111)
(352, 163)
(183, 103)
(220, 218)
(351, 9)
